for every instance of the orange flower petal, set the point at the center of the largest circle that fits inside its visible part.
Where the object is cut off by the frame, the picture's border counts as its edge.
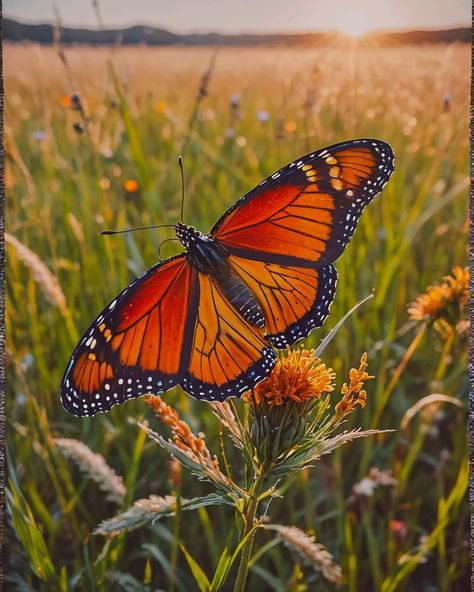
(130, 185)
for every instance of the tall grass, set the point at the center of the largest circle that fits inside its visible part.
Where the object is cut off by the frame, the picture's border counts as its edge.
(64, 186)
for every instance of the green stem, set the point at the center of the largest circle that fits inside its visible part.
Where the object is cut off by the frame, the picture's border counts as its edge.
(175, 544)
(441, 370)
(249, 522)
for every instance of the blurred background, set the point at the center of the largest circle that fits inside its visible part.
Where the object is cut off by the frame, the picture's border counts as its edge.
(100, 99)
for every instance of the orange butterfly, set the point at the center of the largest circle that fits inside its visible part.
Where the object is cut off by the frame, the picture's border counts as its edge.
(207, 319)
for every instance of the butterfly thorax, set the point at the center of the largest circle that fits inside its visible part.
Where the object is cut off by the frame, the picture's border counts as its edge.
(203, 251)
(207, 255)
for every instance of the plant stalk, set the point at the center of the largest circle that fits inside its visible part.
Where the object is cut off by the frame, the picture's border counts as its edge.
(249, 520)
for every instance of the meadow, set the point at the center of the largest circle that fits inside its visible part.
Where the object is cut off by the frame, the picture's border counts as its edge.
(112, 163)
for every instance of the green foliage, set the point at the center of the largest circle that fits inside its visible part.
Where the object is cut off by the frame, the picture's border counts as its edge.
(32, 540)
(64, 187)
(201, 579)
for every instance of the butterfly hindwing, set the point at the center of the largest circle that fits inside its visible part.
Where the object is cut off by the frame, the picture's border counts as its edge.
(293, 300)
(229, 355)
(139, 344)
(306, 213)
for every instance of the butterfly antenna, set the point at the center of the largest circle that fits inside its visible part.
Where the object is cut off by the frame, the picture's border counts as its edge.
(166, 240)
(180, 162)
(111, 232)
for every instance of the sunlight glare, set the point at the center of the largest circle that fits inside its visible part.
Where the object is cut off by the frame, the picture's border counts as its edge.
(354, 24)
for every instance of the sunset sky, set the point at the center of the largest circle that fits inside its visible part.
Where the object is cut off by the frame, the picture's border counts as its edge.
(251, 15)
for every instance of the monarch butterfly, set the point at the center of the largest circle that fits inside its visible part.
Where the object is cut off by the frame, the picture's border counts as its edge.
(207, 319)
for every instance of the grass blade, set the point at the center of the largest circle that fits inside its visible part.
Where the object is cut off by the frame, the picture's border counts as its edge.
(200, 577)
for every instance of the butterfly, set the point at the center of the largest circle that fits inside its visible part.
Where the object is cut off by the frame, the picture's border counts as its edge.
(210, 318)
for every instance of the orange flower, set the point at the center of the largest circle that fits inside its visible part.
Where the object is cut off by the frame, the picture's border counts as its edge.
(130, 185)
(353, 393)
(454, 289)
(459, 283)
(398, 529)
(65, 101)
(72, 101)
(160, 107)
(297, 376)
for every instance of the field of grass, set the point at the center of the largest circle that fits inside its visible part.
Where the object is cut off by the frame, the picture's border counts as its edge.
(67, 175)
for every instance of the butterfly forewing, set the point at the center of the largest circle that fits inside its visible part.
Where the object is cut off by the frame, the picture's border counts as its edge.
(306, 213)
(284, 235)
(140, 343)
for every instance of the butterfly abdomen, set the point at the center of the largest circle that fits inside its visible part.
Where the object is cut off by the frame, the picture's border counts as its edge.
(239, 295)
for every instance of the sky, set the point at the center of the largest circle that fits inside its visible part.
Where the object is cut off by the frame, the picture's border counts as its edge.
(231, 16)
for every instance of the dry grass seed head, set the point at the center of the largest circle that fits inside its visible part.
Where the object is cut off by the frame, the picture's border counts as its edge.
(94, 466)
(314, 552)
(45, 279)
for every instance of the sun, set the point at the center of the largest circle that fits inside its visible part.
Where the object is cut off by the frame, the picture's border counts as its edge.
(354, 25)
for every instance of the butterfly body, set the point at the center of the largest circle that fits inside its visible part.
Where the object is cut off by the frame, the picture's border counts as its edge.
(202, 251)
(263, 278)
(208, 256)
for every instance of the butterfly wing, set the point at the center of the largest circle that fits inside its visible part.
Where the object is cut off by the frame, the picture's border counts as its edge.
(294, 300)
(171, 325)
(306, 213)
(284, 235)
(140, 343)
(229, 355)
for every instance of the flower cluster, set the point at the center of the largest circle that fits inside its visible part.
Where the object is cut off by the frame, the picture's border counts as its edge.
(290, 421)
(376, 478)
(353, 394)
(453, 290)
(299, 376)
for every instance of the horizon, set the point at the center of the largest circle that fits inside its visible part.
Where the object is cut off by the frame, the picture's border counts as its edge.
(257, 32)
(253, 17)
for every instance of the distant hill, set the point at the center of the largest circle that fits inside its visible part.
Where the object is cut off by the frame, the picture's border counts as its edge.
(44, 34)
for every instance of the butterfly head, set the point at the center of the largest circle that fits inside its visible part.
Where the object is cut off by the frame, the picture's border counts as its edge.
(187, 235)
